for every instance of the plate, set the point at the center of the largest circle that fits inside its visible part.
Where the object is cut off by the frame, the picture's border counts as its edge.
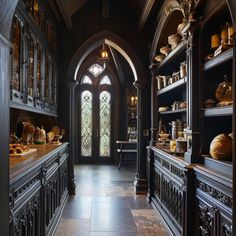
(23, 154)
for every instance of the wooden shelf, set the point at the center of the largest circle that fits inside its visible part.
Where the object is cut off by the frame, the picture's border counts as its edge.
(219, 165)
(173, 112)
(218, 111)
(173, 55)
(31, 109)
(218, 60)
(173, 86)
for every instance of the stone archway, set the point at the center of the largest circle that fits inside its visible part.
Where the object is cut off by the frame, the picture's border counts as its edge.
(112, 40)
(140, 83)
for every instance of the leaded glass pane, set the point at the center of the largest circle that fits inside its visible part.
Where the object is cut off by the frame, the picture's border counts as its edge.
(96, 70)
(105, 123)
(105, 80)
(86, 123)
(86, 80)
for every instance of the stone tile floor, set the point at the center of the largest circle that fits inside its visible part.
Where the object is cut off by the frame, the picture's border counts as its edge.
(106, 205)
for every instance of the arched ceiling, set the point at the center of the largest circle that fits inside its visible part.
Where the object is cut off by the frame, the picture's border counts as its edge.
(140, 8)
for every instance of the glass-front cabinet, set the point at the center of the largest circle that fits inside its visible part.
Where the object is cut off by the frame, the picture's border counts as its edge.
(16, 82)
(34, 78)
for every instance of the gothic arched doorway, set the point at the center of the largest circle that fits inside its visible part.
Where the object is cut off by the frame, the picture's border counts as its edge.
(96, 116)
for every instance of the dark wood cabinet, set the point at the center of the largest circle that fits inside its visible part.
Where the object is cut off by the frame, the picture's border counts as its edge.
(34, 78)
(38, 191)
(214, 201)
(200, 182)
(171, 185)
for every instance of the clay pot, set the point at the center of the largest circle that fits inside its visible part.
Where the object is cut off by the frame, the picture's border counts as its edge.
(160, 57)
(165, 50)
(221, 147)
(174, 40)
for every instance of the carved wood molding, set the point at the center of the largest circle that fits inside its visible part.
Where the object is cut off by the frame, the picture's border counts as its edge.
(173, 199)
(206, 221)
(187, 8)
(221, 197)
(26, 215)
(168, 7)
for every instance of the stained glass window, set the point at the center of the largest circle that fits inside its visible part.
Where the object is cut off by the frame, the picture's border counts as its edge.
(96, 70)
(86, 80)
(105, 80)
(86, 123)
(105, 123)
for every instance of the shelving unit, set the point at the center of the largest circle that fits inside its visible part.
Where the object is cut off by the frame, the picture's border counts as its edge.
(210, 187)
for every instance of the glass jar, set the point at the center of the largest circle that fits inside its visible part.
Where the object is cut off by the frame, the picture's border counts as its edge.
(183, 70)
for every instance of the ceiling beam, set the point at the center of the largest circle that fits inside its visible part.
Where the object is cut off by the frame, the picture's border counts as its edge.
(65, 16)
(146, 11)
(74, 6)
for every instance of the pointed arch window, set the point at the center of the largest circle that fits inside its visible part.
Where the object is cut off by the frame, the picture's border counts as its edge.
(86, 80)
(105, 80)
(95, 70)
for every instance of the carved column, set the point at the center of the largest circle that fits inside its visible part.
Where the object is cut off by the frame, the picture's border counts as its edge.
(153, 129)
(70, 87)
(234, 135)
(4, 133)
(140, 182)
(193, 114)
(153, 69)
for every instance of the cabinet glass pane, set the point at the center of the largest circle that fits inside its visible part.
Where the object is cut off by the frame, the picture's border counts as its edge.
(47, 73)
(39, 58)
(31, 66)
(86, 123)
(105, 123)
(17, 34)
(54, 84)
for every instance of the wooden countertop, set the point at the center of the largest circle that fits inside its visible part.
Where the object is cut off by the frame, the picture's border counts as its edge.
(20, 165)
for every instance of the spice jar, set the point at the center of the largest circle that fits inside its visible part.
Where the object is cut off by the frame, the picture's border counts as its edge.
(230, 34)
(159, 83)
(176, 129)
(183, 70)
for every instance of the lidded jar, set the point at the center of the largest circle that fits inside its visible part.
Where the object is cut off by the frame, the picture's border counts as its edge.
(224, 91)
(183, 70)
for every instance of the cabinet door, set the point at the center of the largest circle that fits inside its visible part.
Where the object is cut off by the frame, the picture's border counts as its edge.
(225, 227)
(206, 220)
(17, 84)
(51, 198)
(26, 220)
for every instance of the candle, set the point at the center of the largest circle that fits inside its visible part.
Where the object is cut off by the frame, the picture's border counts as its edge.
(215, 41)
